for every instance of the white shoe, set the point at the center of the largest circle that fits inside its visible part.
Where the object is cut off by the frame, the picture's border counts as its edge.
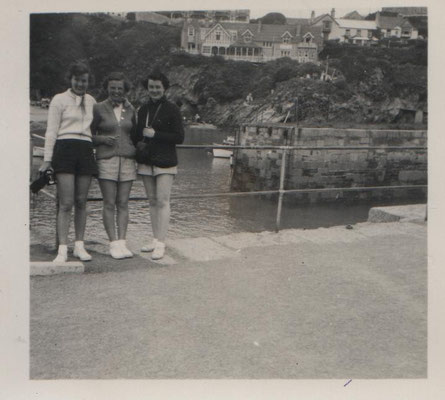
(116, 250)
(159, 251)
(150, 247)
(62, 254)
(124, 249)
(80, 252)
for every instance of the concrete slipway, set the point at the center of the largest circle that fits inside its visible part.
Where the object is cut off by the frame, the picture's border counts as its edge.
(324, 303)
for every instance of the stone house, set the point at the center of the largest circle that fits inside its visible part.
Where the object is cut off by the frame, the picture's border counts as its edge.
(395, 26)
(252, 42)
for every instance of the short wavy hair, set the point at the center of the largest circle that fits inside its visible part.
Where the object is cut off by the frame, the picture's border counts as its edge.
(116, 76)
(78, 68)
(156, 76)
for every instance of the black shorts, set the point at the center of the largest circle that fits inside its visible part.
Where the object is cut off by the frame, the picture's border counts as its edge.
(74, 156)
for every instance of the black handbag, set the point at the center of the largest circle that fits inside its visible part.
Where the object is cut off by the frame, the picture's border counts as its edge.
(142, 155)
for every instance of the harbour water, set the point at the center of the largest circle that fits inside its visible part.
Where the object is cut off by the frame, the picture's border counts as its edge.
(200, 173)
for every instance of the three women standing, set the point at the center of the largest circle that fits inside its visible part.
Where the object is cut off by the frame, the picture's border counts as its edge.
(75, 122)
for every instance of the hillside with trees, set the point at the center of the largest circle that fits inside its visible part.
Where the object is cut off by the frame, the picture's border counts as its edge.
(371, 85)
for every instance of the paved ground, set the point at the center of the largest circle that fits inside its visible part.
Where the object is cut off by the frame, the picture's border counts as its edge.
(324, 303)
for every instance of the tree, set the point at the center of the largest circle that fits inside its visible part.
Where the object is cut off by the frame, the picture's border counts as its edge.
(274, 19)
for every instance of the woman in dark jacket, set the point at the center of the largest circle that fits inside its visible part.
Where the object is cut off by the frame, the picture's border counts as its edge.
(113, 125)
(159, 130)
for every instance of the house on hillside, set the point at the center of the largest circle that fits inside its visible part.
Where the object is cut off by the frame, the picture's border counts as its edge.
(354, 31)
(209, 15)
(252, 42)
(407, 11)
(395, 26)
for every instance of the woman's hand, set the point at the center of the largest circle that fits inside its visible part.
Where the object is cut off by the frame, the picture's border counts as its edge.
(140, 145)
(45, 166)
(148, 132)
(108, 140)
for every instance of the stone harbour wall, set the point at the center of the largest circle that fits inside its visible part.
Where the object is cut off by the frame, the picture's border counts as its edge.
(319, 168)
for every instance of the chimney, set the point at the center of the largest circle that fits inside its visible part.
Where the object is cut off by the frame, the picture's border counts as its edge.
(312, 16)
(333, 13)
(377, 19)
(259, 26)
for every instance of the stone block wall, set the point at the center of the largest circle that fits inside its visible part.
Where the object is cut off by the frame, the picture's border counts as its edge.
(321, 168)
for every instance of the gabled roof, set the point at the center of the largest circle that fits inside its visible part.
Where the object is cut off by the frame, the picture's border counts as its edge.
(356, 24)
(388, 22)
(288, 34)
(320, 17)
(215, 27)
(272, 33)
(247, 31)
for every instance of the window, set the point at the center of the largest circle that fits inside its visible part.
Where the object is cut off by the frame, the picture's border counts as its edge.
(206, 49)
(267, 44)
(247, 38)
(191, 46)
(359, 32)
(218, 35)
(285, 53)
(286, 39)
(234, 35)
(191, 31)
(326, 25)
(370, 34)
(348, 32)
(308, 39)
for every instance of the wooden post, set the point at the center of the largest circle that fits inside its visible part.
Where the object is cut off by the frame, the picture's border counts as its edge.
(281, 190)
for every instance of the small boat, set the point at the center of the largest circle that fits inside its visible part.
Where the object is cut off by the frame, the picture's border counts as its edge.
(224, 153)
(38, 151)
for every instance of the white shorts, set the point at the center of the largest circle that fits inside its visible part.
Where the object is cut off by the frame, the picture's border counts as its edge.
(152, 170)
(119, 169)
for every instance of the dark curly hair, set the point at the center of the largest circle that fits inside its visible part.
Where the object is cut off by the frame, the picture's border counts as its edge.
(117, 76)
(78, 68)
(156, 76)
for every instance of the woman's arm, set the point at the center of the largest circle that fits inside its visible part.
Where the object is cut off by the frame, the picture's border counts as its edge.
(136, 133)
(52, 128)
(94, 126)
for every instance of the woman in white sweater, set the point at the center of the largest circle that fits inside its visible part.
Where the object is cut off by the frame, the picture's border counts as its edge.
(69, 152)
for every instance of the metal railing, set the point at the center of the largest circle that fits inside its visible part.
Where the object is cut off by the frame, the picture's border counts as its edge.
(281, 191)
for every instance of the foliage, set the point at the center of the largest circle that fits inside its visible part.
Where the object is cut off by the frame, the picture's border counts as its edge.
(274, 18)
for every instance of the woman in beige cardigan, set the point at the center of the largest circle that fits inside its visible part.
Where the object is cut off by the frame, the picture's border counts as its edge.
(113, 122)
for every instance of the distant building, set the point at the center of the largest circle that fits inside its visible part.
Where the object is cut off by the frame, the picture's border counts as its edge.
(252, 42)
(354, 31)
(118, 15)
(395, 26)
(209, 15)
(407, 11)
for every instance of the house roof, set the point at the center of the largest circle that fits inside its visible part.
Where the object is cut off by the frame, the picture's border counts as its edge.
(320, 17)
(356, 24)
(387, 22)
(270, 32)
(298, 21)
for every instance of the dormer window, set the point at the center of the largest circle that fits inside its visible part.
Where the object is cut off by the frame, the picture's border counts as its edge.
(247, 38)
(286, 37)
